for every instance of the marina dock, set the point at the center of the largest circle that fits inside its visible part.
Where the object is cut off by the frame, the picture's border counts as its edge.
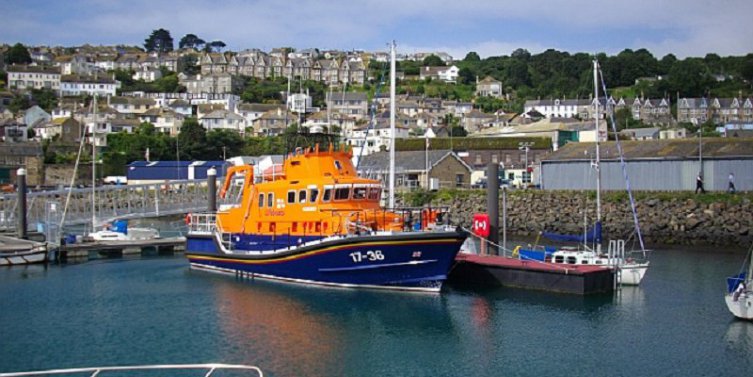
(512, 272)
(114, 248)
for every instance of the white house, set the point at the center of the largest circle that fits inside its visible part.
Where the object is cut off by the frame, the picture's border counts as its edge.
(223, 119)
(73, 85)
(33, 77)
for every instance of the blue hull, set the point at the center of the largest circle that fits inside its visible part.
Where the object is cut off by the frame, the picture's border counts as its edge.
(410, 261)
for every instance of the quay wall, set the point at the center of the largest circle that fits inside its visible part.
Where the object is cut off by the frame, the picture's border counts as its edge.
(665, 218)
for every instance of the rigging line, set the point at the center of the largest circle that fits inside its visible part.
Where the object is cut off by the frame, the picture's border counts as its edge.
(622, 163)
(75, 170)
(372, 122)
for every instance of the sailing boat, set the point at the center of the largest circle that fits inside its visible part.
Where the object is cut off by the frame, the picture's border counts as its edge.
(630, 271)
(739, 297)
(118, 231)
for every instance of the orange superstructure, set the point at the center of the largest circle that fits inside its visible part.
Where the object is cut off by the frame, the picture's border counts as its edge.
(318, 193)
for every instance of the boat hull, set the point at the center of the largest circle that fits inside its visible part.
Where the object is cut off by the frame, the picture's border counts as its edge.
(632, 273)
(740, 306)
(23, 257)
(403, 261)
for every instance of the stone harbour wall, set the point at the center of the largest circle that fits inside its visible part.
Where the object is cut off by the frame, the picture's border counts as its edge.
(665, 219)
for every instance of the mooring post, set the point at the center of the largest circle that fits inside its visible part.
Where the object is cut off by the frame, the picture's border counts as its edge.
(212, 189)
(21, 195)
(492, 205)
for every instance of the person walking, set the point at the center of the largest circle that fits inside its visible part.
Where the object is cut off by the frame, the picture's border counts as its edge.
(699, 183)
(731, 188)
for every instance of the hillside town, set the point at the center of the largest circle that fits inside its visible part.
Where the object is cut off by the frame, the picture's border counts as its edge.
(210, 84)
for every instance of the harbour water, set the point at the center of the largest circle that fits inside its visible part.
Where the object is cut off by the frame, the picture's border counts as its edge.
(154, 310)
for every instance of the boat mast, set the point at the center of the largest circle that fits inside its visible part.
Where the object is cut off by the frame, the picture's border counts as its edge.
(598, 154)
(392, 125)
(94, 159)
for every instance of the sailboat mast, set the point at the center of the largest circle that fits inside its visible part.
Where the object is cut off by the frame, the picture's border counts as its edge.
(598, 154)
(392, 124)
(94, 165)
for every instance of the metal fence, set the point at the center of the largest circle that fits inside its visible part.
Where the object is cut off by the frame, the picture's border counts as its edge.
(109, 203)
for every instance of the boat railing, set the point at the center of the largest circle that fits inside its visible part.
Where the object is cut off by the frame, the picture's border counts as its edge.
(139, 370)
(202, 222)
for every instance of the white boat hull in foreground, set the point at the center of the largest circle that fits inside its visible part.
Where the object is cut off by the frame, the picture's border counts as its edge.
(740, 306)
(632, 273)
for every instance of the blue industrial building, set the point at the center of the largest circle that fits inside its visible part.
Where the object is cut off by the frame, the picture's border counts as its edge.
(140, 172)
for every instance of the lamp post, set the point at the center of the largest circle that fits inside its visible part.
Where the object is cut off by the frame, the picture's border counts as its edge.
(700, 150)
(525, 146)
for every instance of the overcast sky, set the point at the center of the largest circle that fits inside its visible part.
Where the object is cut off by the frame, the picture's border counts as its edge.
(489, 27)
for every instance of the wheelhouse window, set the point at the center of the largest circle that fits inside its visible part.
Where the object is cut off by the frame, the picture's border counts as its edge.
(327, 196)
(270, 199)
(342, 193)
(313, 194)
(291, 196)
(261, 200)
(374, 193)
(302, 196)
(360, 192)
(338, 165)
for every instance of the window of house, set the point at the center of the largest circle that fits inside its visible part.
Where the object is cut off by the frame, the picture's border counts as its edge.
(495, 158)
(478, 159)
(459, 180)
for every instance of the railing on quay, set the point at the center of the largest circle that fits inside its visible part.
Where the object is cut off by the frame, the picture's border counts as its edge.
(111, 202)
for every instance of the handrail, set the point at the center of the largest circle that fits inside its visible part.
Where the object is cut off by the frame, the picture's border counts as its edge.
(95, 371)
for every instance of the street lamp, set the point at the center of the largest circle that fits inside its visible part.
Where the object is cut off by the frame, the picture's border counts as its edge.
(525, 146)
(700, 150)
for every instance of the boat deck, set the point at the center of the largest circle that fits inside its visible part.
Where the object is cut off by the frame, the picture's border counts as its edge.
(494, 270)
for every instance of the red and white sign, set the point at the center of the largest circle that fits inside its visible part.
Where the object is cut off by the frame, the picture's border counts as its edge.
(481, 224)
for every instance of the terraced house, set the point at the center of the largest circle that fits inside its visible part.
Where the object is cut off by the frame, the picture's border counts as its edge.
(33, 77)
(717, 110)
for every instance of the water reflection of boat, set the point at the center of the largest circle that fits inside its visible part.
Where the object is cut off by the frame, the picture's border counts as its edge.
(740, 336)
(315, 325)
(557, 301)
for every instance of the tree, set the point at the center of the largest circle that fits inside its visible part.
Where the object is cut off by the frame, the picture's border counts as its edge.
(521, 54)
(690, 77)
(747, 69)
(214, 46)
(45, 98)
(466, 76)
(19, 103)
(432, 61)
(188, 64)
(223, 143)
(191, 41)
(192, 140)
(472, 57)
(159, 41)
(18, 54)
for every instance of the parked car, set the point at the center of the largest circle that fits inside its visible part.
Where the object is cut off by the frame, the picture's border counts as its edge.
(481, 183)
